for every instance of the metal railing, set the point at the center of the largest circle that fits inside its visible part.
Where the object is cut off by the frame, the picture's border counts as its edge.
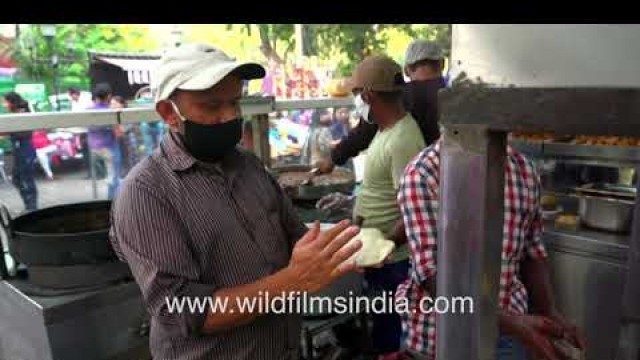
(255, 109)
(251, 106)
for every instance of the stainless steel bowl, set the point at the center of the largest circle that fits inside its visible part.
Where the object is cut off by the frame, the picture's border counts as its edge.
(604, 213)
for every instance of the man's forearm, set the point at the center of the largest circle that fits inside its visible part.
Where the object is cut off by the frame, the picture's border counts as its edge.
(397, 233)
(233, 316)
(508, 324)
(357, 140)
(536, 278)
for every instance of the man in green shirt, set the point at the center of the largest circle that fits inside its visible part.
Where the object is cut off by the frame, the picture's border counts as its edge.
(377, 86)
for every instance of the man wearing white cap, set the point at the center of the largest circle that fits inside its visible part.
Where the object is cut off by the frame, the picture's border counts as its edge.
(202, 219)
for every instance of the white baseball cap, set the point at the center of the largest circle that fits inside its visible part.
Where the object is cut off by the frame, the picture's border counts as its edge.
(197, 67)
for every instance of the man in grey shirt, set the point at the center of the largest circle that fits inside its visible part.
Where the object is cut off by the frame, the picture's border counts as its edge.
(202, 219)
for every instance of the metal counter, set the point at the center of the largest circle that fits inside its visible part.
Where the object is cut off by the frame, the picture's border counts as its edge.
(588, 270)
(103, 324)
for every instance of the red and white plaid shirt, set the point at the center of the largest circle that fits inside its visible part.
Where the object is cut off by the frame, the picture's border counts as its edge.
(418, 200)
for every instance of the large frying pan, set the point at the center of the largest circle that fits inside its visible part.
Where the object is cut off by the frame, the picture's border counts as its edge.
(64, 246)
(341, 180)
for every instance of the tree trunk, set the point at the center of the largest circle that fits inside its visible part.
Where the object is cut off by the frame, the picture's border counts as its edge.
(361, 44)
(265, 45)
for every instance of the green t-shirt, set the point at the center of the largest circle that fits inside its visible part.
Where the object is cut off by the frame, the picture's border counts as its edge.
(387, 156)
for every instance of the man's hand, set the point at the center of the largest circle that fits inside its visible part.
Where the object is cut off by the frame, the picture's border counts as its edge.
(319, 258)
(570, 331)
(535, 333)
(325, 166)
(535, 275)
(397, 233)
(335, 201)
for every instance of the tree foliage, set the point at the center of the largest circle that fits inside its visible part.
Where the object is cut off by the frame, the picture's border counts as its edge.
(342, 45)
(349, 43)
(277, 41)
(33, 52)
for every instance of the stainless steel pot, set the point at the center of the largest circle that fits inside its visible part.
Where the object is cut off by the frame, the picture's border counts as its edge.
(606, 207)
(606, 214)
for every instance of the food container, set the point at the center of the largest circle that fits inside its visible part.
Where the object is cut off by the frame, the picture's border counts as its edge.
(293, 180)
(338, 88)
(606, 207)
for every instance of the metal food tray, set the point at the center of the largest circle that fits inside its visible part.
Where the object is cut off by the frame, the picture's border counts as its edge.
(608, 190)
(596, 154)
(311, 192)
(614, 153)
(533, 149)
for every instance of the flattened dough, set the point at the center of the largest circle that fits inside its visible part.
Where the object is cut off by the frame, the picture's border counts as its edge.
(375, 248)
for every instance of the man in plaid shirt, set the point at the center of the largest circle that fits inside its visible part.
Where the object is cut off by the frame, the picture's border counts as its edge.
(524, 271)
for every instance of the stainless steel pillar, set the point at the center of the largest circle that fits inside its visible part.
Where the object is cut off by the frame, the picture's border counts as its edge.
(470, 239)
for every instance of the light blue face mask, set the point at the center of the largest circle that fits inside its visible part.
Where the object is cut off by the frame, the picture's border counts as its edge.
(362, 108)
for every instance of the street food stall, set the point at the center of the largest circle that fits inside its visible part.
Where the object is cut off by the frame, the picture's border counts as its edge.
(557, 113)
(556, 103)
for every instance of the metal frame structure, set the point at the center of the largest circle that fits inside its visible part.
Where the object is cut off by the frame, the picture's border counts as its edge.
(251, 106)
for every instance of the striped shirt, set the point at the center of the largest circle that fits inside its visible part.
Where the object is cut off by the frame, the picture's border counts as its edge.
(187, 228)
(419, 202)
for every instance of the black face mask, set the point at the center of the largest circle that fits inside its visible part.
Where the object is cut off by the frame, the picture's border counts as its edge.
(211, 142)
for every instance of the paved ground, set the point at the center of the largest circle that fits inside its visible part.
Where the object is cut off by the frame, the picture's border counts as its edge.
(70, 185)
